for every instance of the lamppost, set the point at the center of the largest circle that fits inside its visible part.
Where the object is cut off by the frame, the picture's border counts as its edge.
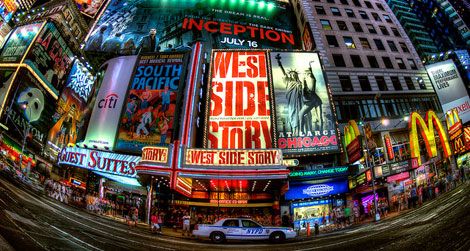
(24, 106)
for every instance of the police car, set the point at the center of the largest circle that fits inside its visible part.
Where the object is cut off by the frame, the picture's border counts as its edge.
(242, 229)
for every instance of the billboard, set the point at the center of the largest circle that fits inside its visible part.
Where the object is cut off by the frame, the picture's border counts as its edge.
(239, 101)
(6, 79)
(151, 109)
(90, 7)
(450, 88)
(304, 116)
(29, 106)
(106, 112)
(17, 44)
(7, 8)
(4, 30)
(212, 158)
(69, 117)
(51, 56)
(352, 141)
(125, 27)
(306, 190)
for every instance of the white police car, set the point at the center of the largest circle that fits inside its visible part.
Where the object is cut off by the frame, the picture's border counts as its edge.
(242, 229)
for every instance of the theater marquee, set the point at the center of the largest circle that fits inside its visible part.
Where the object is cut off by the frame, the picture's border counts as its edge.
(227, 158)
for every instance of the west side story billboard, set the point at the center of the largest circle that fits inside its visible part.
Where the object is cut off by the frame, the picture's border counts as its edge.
(304, 116)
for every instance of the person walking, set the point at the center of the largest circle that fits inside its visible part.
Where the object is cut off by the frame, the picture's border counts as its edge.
(186, 224)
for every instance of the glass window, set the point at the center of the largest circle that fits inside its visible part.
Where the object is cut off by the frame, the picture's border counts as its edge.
(320, 10)
(339, 60)
(421, 83)
(325, 24)
(376, 17)
(379, 44)
(388, 19)
(396, 83)
(332, 42)
(392, 45)
(357, 27)
(344, 2)
(365, 84)
(395, 32)
(349, 42)
(230, 223)
(371, 28)
(346, 84)
(330, 1)
(363, 14)
(409, 83)
(335, 11)
(342, 25)
(373, 62)
(400, 63)
(387, 62)
(381, 83)
(365, 43)
(249, 223)
(384, 30)
(357, 3)
(350, 13)
(379, 6)
(356, 60)
(412, 64)
(404, 48)
(368, 4)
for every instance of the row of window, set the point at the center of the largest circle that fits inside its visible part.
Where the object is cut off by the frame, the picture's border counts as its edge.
(350, 13)
(373, 63)
(346, 84)
(349, 43)
(390, 108)
(356, 3)
(326, 25)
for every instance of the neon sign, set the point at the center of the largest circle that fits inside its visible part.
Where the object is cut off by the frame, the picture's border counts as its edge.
(352, 142)
(334, 171)
(213, 157)
(318, 190)
(307, 190)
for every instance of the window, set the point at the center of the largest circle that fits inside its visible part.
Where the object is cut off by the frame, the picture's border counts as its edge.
(412, 64)
(365, 43)
(384, 30)
(388, 19)
(230, 223)
(373, 62)
(344, 2)
(381, 83)
(320, 10)
(371, 28)
(249, 223)
(330, 1)
(396, 84)
(365, 84)
(379, 6)
(387, 62)
(356, 60)
(349, 42)
(339, 61)
(376, 17)
(403, 47)
(409, 83)
(346, 84)
(368, 4)
(342, 25)
(357, 3)
(392, 45)
(350, 13)
(357, 27)
(379, 44)
(421, 83)
(363, 14)
(332, 42)
(335, 11)
(325, 24)
(395, 32)
(400, 63)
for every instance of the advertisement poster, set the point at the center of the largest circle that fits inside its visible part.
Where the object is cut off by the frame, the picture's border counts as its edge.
(450, 88)
(69, 117)
(306, 190)
(106, 111)
(90, 7)
(51, 56)
(4, 30)
(7, 9)
(150, 111)
(240, 104)
(6, 78)
(127, 27)
(29, 106)
(18, 42)
(304, 116)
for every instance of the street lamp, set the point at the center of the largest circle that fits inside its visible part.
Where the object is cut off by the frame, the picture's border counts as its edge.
(24, 106)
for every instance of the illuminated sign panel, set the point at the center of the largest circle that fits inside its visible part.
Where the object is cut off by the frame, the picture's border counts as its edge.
(324, 172)
(389, 146)
(305, 191)
(456, 132)
(304, 116)
(18, 42)
(239, 102)
(352, 141)
(155, 154)
(238, 158)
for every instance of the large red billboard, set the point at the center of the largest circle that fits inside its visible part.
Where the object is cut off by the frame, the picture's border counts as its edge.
(239, 101)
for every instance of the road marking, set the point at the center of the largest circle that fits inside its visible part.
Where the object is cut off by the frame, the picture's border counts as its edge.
(75, 238)
(20, 218)
(24, 232)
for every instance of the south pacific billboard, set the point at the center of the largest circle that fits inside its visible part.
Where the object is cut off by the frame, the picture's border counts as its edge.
(239, 103)
(126, 27)
(18, 42)
(304, 116)
(150, 112)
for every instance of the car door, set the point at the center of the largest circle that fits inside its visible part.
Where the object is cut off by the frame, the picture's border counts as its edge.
(252, 230)
(231, 229)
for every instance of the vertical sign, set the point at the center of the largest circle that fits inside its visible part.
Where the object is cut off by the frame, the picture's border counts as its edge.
(387, 143)
(240, 106)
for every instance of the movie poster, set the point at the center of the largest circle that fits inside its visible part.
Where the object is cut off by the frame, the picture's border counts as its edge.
(240, 104)
(151, 109)
(69, 116)
(128, 27)
(17, 44)
(51, 56)
(304, 117)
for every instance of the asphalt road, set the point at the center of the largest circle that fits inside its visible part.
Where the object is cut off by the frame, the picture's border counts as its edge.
(30, 221)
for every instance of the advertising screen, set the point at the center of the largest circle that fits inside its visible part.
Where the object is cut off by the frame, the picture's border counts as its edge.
(150, 111)
(29, 106)
(240, 104)
(51, 56)
(18, 42)
(450, 88)
(306, 190)
(69, 116)
(90, 7)
(7, 8)
(106, 112)
(126, 27)
(304, 116)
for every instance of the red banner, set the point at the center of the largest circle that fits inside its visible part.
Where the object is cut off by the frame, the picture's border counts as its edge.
(388, 145)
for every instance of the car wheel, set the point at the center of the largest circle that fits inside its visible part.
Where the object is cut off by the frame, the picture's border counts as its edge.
(217, 237)
(277, 237)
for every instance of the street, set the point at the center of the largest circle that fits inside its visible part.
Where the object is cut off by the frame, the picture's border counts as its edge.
(30, 221)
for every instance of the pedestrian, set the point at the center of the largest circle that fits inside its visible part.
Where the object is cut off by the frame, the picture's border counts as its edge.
(285, 220)
(135, 216)
(347, 215)
(356, 213)
(414, 195)
(361, 211)
(186, 224)
(154, 227)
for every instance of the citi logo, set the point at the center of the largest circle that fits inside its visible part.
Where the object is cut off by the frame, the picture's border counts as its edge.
(109, 101)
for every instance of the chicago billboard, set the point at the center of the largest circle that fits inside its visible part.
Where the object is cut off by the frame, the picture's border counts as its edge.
(150, 112)
(239, 102)
(304, 116)
(17, 44)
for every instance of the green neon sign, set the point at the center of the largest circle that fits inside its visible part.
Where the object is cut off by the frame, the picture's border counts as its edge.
(334, 171)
